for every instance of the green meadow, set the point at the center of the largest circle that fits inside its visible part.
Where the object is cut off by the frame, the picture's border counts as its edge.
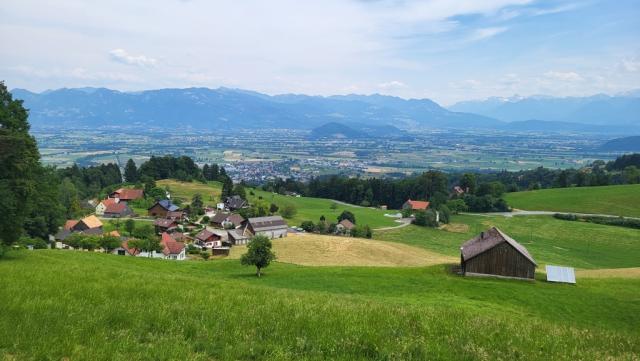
(311, 209)
(549, 240)
(86, 306)
(620, 200)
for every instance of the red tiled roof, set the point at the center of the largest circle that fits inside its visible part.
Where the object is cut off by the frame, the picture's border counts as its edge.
(418, 204)
(70, 224)
(116, 207)
(347, 224)
(171, 246)
(126, 193)
(109, 202)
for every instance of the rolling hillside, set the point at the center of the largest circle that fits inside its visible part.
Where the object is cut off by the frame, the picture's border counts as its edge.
(88, 306)
(622, 200)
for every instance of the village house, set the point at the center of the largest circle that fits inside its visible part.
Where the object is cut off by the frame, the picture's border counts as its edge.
(272, 227)
(117, 210)
(126, 194)
(89, 225)
(493, 253)
(344, 226)
(236, 237)
(102, 206)
(171, 249)
(415, 205)
(226, 220)
(176, 215)
(235, 203)
(211, 238)
(161, 208)
(164, 225)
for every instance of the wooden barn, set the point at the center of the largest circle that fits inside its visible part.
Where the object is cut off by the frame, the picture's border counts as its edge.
(493, 253)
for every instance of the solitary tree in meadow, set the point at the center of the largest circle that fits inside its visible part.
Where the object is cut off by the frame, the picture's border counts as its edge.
(258, 254)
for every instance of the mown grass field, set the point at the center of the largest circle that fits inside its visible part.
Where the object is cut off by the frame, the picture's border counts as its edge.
(622, 200)
(318, 250)
(311, 209)
(549, 240)
(209, 191)
(87, 306)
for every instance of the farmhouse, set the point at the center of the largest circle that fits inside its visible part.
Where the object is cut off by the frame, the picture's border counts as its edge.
(345, 226)
(415, 205)
(493, 253)
(224, 220)
(236, 237)
(164, 225)
(126, 194)
(176, 215)
(272, 227)
(211, 238)
(161, 208)
(102, 206)
(87, 225)
(172, 249)
(117, 210)
(234, 203)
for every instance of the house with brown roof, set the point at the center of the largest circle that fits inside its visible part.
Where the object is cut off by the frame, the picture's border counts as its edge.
(102, 206)
(161, 208)
(164, 225)
(117, 210)
(493, 253)
(88, 225)
(226, 220)
(415, 205)
(89, 222)
(211, 238)
(172, 249)
(344, 226)
(127, 194)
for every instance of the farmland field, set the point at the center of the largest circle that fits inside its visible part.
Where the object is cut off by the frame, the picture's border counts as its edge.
(621, 200)
(89, 306)
(550, 240)
(210, 191)
(318, 250)
(312, 208)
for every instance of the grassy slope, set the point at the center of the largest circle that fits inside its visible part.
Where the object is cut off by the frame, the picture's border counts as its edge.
(318, 250)
(312, 208)
(549, 240)
(621, 200)
(79, 305)
(186, 190)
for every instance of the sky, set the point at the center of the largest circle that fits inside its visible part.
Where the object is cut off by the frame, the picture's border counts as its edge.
(447, 51)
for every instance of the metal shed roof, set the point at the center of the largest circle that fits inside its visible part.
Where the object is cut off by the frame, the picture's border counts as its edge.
(561, 274)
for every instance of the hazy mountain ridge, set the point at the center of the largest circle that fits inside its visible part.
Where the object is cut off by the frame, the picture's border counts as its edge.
(213, 108)
(598, 109)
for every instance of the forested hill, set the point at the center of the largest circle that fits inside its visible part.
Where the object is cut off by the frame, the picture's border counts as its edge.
(627, 144)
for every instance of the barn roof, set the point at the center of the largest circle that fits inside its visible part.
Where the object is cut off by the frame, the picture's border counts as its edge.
(347, 224)
(91, 221)
(489, 239)
(417, 205)
(166, 204)
(170, 245)
(127, 193)
(267, 223)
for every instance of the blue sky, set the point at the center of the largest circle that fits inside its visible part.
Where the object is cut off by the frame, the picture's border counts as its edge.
(443, 50)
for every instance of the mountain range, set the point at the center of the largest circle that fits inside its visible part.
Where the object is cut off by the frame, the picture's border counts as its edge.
(204, 108)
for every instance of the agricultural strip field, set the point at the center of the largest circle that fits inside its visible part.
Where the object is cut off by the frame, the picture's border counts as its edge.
(209, 191)
(310, 209)
(125, 308)
(620, 200)
(317, 250)
(549, 240)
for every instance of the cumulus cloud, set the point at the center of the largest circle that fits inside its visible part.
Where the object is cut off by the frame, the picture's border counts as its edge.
(122, 56)
(569, 76)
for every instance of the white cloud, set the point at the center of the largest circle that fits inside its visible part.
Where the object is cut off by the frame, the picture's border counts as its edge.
(121, 56)
(631, 64)
(485, 33)
(394, 84)
(569, 76)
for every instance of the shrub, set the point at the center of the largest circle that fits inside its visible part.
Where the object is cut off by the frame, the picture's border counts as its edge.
(308, 226)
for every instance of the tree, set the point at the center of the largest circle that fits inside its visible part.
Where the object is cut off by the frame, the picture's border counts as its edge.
(131, 172)
(457, 205)
(347, 215)
(308, 226)
(130, 226)
(68, 198)
(197, 204)
(273, 208)
(109, 242)
(258, 254)
(227, 187)
(205, 255)
(288, 211)
(21, 175)
(631, 174)
(425, 218)
(468, 183)
(238, 190)
(333, 206)
(361, 231)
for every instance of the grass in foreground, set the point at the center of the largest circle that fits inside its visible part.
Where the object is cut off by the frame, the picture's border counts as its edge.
(79, 305)
(621, 200)
(318, 250)
(549, 240)
(310, 209)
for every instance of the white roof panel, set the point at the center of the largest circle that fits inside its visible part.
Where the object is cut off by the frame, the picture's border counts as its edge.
(561, 274)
